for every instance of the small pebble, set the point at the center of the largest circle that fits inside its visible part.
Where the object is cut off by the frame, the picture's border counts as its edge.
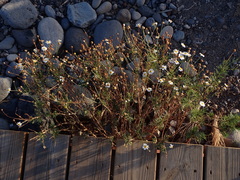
(50, 12)
(178, 36)
(140, 2)
(140, 22)
(12, 57)
(172, 6)
(104, 8)
(135, 15)
(162, 6)
(96, 3)
(186, 26)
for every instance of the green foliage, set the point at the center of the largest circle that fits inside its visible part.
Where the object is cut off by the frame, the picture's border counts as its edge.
(195, 134)
(228, 123)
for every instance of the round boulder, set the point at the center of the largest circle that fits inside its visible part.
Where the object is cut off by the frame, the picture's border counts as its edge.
(5, 87)
(75, 39)
(19, 14)
(81, 14)
(25, 37)
(50, 30)
(108, 30)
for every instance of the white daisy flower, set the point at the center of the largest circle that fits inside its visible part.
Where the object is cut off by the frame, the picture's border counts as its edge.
(61, 78)
(175, 51)
(149, 89)
(150, 71)
(111, 72)
(35, 50)
(19, 124)
(164, 67)
(175, 88)
(48, 42)
(180, 69)
(161, 80)
(45, 60)
(144, 74)
(186, 54)
(107, 85)
(44, 48)
(176, 62)
(202, 103)
(170, 82)
(181, 56)
(145, 146)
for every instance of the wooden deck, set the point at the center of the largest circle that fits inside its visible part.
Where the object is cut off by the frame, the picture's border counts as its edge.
(80, 158)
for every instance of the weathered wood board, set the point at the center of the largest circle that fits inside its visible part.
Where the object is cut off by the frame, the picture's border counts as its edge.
(49, 162)
(90, 158)
(181, 162)
(222, 163)
(11, 154)
(133, 162)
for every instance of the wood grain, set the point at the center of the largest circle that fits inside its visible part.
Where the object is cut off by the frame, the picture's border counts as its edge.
(222, 163)
(181, 162)
(132, 162)
(90, 158)
(11, 154)
(46, 163)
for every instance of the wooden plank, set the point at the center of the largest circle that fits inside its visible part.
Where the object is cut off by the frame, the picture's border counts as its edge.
(181, 162)
(90, 158)
(222, 163)
(11, 154)
(132, 162)
(49, 162)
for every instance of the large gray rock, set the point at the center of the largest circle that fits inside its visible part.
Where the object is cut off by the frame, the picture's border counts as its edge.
(50, 30)
(81, 14)
(109, 30)
(25, 37)
(5, 87)
(19, 14)
(7, 43)
(76, 39)
(235, 137)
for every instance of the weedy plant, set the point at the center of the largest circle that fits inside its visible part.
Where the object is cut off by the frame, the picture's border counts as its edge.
(141, 89)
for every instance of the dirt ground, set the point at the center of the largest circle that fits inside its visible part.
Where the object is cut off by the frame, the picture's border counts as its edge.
(215, 30)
